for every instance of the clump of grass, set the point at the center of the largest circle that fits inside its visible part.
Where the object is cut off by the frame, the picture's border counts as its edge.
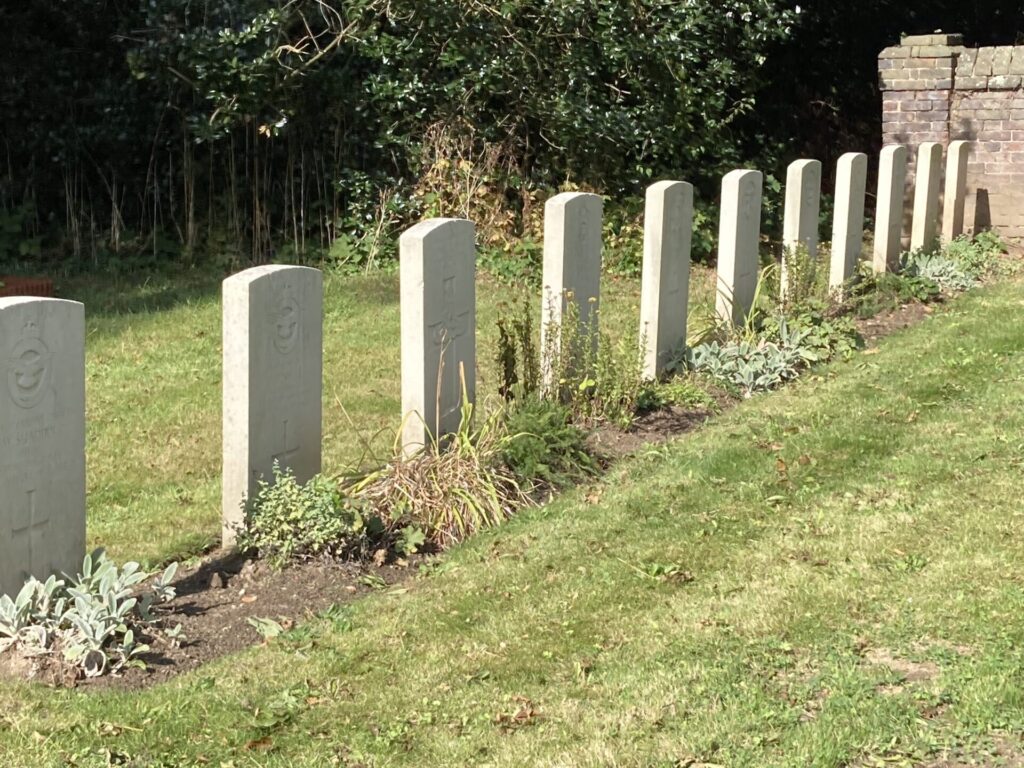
(448, 490)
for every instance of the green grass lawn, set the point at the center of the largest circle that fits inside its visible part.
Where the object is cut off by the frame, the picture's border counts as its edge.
(828, 575)
(153, 393)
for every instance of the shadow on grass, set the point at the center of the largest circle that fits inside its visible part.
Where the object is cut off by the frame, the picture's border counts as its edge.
(146, 292)
(111, 295)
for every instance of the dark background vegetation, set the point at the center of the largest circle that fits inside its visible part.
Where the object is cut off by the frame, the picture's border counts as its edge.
(231, 131)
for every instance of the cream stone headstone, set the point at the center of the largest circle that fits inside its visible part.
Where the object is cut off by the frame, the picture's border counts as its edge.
(892, 181)
(42, 439)
(800, 218)
(438, 307)
(572, 269)
(848, 218)
(955, 190)
(272, 381)
(668, 224)
(739, 232)
(927, 185)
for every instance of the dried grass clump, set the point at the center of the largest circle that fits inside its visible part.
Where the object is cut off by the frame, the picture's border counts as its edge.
(449, 490)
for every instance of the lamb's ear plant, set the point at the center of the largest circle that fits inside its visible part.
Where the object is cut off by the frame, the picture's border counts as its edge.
(93, 619)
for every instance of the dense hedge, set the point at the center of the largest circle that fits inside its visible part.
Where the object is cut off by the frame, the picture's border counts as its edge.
(254, 128)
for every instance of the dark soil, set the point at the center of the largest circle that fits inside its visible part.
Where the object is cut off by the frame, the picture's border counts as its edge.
(216, 598)
(884, 323)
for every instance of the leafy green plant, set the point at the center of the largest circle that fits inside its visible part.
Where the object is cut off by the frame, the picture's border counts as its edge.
(947, 272)
(815, 333)
(597, 379)
(517, 358)
(286, 520)
(680, 390)
(747, 366)
(94, 620)
(544, 448)
(870, 293)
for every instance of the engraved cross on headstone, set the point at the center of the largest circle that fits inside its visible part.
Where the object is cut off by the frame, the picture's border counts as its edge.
(28, 524)
(445, 335)
(284, 457)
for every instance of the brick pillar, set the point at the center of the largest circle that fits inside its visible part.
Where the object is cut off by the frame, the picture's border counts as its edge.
(916, 79)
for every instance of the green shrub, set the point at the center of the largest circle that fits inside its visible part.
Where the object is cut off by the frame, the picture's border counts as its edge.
(286, 520)
(977, 255)
(544, 447)
(94, 620)
(596, 378)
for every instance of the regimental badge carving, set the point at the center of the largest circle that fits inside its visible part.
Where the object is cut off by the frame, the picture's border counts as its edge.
(28, 369)
(748, 190)
(286, 322)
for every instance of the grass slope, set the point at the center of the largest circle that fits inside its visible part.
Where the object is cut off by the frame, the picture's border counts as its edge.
(153, 394)
(856, 597)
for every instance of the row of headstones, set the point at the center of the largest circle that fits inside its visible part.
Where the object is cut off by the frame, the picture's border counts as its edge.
(272, 334)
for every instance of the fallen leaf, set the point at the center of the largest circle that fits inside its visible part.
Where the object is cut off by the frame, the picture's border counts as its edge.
(264, 744)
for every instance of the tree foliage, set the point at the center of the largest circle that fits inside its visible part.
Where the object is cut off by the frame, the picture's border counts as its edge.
(251, 129)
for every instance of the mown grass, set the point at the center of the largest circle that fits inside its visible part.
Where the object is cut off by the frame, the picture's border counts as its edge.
(153, 393)
(728, 599)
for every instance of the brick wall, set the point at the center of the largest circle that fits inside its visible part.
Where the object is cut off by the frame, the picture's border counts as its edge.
(935, 89)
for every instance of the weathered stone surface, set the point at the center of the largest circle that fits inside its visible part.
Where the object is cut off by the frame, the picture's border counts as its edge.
(803, 200)
(664, 293)
(955, 189)
(1001, 59)
(983, 62)
(932, 51)
(971, 83)
(438, 307)
(892, 177)
(739, 232)
(927, 184)
(1016, 62)
(572, 269)
(1004, 82)
(848, 218)
(272, 388)
(42, 439)
(895, 52)
(936, 38)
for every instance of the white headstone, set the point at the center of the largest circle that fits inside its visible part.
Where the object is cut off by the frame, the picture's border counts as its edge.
(739, 234)
(892, 181)
(926, 195)
(438, 305)
(668, 225)
(42, 439)
(800, 219)
(955, 189)
(272, 387)
(572, 267)
(848, 218)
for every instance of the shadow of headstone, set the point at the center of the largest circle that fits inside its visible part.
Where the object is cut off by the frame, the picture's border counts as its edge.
(982, 211)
